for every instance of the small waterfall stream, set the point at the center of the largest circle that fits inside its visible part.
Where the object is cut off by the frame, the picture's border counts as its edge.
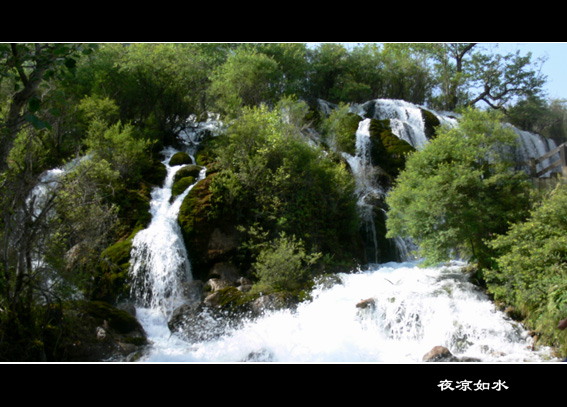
(159, 260)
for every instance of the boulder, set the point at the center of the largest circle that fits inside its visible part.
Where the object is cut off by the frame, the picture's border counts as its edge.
(442, 354)
(225, 271)
(180, 158)
(102, 332)
(439, 354)
(187, 171)
(368, 303)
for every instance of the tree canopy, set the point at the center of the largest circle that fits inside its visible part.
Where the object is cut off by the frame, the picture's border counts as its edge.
(460, 190)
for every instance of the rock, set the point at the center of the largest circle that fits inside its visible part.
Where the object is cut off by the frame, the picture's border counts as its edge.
(439, 354)
(262, 355)
(199, 322)
(244, 287)
(272, 302)
(221, 242)
(208, 240)
(562, 324)
(216, 284)
(369, 302)
(243, 281)
(189, 170)
(128, 307)
(442, 354)
(213, 300)
(180, 158)
(102, 332)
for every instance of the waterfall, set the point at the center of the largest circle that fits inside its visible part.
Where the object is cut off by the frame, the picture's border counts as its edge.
(532, 145)
(159, 260)
(406, 119)
(367, 190)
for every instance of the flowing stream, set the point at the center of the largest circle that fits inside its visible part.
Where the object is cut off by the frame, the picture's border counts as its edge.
(408, 309)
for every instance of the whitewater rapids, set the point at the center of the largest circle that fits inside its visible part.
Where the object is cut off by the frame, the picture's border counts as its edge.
(414, 309)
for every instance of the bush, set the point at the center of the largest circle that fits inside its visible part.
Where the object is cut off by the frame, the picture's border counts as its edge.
(118, 145)
(284, 265)
(269, 174)
(531, 268)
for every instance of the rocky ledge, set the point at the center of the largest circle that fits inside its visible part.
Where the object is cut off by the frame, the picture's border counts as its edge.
(222, 302)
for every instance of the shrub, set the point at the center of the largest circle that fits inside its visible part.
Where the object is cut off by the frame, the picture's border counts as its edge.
(284, 264)
(118, 145)
(531, 268)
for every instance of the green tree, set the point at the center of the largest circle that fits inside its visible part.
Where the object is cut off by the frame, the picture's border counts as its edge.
(292, 59)
(535, 114)
(27, 67)
(460, 190)
(406, 74)
(118, 145)
(530, 272)
(328, 64)
(246, 79)
(467, 73)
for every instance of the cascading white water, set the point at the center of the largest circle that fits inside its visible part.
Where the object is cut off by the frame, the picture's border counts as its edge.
(406, 119)
(411, 309)
(159, 260)
(366, 188)
(531, 145)
(414, 309)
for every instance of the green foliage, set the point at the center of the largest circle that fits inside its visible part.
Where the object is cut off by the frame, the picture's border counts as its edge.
(118, 145)
(271, 175)
(547, 118)
(339, 129)
(531, 268)
(247, 78)
(284, 264)
(99, 108)
(459, 191)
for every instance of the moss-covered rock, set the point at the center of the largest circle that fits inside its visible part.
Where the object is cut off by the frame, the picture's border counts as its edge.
(388, 151)
(208, 240)
(154, 173)
(111, 275)
(430, 123)
(187, 171)
(180, 158)
(181, 185)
